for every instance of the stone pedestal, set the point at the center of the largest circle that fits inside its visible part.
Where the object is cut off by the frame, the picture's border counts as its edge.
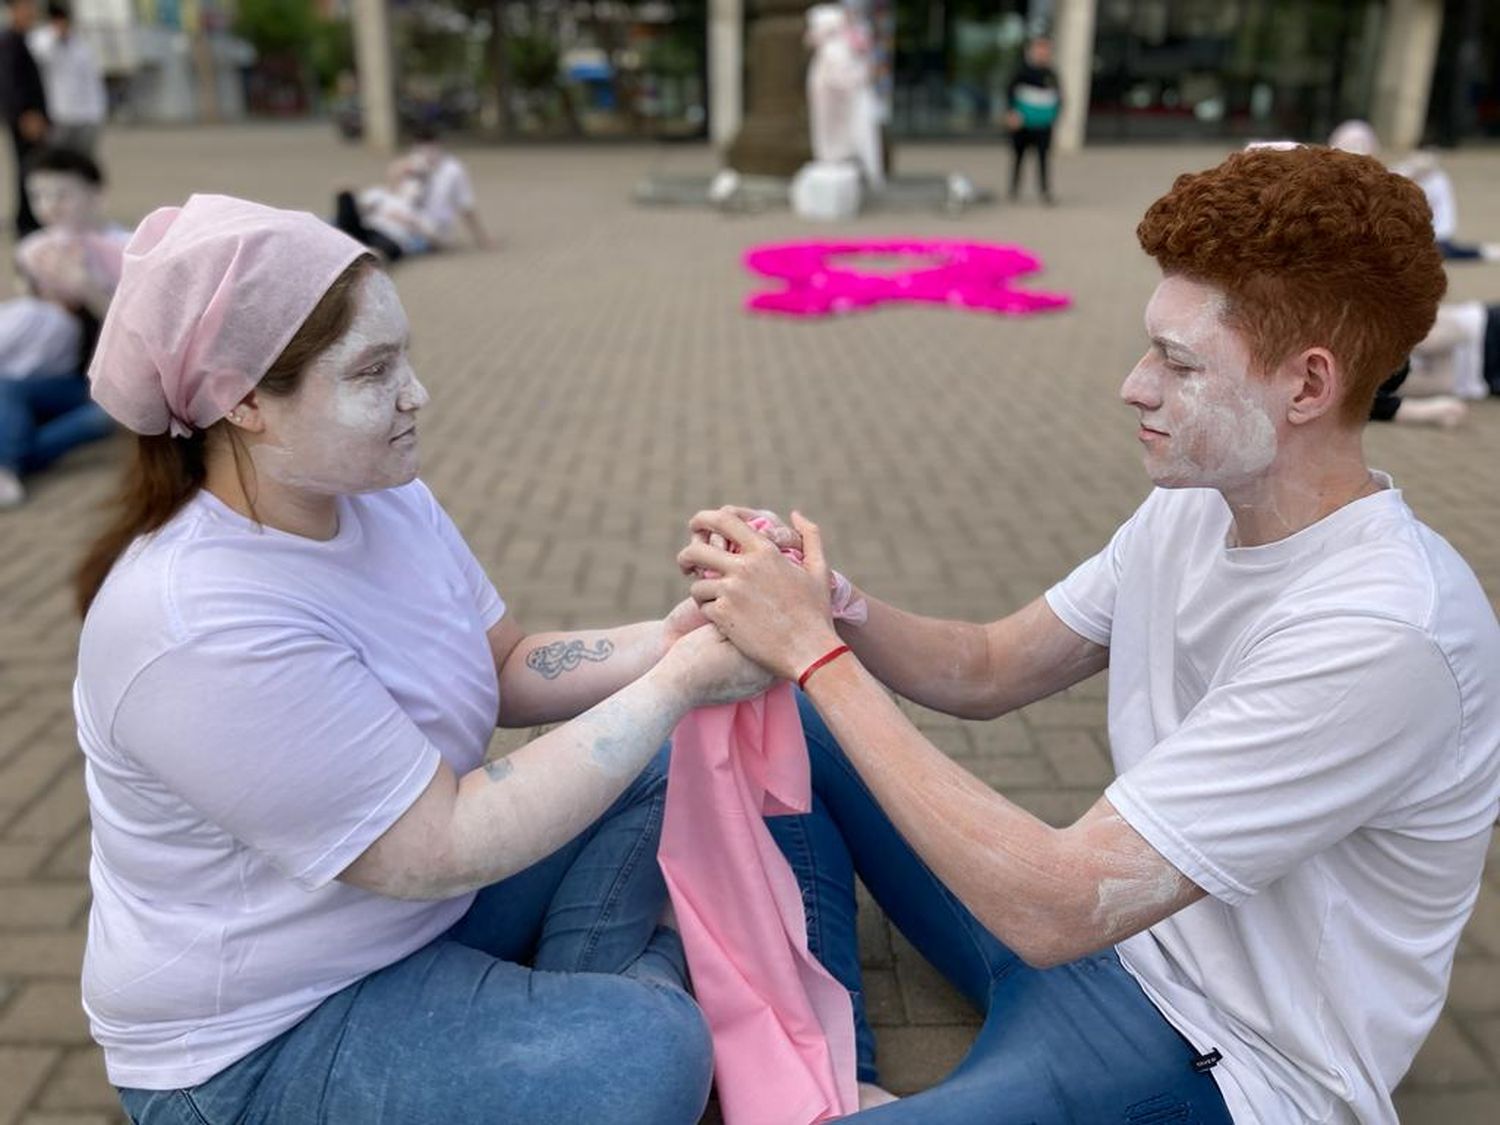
(774, 140)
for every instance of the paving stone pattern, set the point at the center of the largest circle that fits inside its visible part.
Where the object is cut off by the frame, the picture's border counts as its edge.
(594, 382)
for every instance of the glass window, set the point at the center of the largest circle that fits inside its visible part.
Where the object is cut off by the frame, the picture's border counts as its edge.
(1243, 69)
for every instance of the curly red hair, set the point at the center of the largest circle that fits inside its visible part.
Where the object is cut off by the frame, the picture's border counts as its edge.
(1313, 247)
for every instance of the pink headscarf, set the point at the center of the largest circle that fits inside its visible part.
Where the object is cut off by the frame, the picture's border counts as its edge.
(211, 294)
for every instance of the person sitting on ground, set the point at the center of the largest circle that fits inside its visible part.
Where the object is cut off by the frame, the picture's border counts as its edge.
(1424, 168)
(290, 669)
(1458, 361)
(69, 270)
(1461, 355)
(418, 209)
(1390, 405)
(1257, 920)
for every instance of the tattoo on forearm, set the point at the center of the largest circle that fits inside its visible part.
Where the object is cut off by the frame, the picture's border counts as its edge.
(551, 661)
(499, 769)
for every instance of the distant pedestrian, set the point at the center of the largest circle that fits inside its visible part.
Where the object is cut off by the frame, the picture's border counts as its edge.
(1034, 100)
(76, 98)
(23, 102)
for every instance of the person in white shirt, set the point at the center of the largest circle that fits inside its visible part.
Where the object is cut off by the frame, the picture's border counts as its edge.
(427, 194)
(77, 101)
(448, 197)
(68, 270)
(1257, 920)
(315, 900)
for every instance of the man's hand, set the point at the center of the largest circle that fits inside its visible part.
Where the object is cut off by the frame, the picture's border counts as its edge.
(771, 609)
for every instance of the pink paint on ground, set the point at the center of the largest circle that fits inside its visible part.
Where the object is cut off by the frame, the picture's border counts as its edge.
(970, 275)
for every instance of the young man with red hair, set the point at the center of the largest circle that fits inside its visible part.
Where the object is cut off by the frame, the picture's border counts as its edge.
(1257, 919)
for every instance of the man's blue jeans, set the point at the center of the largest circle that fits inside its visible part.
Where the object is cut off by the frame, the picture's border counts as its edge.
(599, 1028)
(1078, 1043)
(44, 416)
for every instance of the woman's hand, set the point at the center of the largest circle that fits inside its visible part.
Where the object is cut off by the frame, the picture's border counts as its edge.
(710, 670)
(773, 610)
(684, 618)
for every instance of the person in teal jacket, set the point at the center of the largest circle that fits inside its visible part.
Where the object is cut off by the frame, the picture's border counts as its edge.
(1034, 99)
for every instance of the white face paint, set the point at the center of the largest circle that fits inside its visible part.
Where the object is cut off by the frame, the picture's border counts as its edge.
(61, 199)
(351, 425)
(1206, 420)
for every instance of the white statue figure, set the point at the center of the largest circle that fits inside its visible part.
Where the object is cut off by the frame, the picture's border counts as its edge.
(841, 98)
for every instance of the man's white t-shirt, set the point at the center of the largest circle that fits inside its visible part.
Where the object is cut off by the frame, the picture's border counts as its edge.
(256, 708)
(1310, 731)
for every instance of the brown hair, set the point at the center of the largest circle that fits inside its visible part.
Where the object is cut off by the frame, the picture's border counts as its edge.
(167, 472)
(1313, 247)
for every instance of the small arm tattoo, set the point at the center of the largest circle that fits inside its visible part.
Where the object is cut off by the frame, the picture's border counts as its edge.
(499, 769)
(551, 661)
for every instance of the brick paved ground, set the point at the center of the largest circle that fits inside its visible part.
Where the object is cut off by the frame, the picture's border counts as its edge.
(594, 382)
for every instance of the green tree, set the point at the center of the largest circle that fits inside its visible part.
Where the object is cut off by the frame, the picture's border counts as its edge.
(276, 27)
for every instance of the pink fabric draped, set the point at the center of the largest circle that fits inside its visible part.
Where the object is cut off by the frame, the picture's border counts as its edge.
(783, 1028)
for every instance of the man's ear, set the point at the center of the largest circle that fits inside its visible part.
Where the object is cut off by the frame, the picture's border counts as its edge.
(1317, 385)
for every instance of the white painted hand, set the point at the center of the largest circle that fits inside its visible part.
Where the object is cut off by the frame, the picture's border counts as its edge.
(710, 670)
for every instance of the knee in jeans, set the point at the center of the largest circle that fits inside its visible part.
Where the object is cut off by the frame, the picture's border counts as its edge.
(671, 1056)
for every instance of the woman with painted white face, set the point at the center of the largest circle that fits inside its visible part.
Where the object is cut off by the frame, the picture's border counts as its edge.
(314, 900)
(69, 270)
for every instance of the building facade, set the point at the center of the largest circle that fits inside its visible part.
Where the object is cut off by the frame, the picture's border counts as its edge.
(1146, 70)
(167, 60)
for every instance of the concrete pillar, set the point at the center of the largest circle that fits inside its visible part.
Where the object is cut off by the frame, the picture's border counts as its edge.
(1403, 81)
(773, 139)
(726, 70)
(1073, 49)
(377, 73)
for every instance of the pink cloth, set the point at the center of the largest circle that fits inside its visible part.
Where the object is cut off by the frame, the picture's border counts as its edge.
(210, 294)
(783, 1028)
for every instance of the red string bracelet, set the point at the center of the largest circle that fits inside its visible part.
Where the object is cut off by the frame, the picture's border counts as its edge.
(830, 655)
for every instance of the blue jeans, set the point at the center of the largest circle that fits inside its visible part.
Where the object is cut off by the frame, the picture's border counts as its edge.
(44, 416)
(1076, 1043)
(599, 1027)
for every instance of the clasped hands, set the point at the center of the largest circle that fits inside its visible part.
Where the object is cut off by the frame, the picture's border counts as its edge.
(771, 617)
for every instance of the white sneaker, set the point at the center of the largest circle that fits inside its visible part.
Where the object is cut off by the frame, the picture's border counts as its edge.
(12, 491)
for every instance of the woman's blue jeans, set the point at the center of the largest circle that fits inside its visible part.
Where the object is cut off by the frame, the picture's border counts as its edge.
(44, 416)
(598, 1028)
(1079, 1043)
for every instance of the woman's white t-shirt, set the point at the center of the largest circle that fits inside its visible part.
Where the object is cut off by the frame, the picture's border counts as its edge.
(256, 708)
(1310, 731)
